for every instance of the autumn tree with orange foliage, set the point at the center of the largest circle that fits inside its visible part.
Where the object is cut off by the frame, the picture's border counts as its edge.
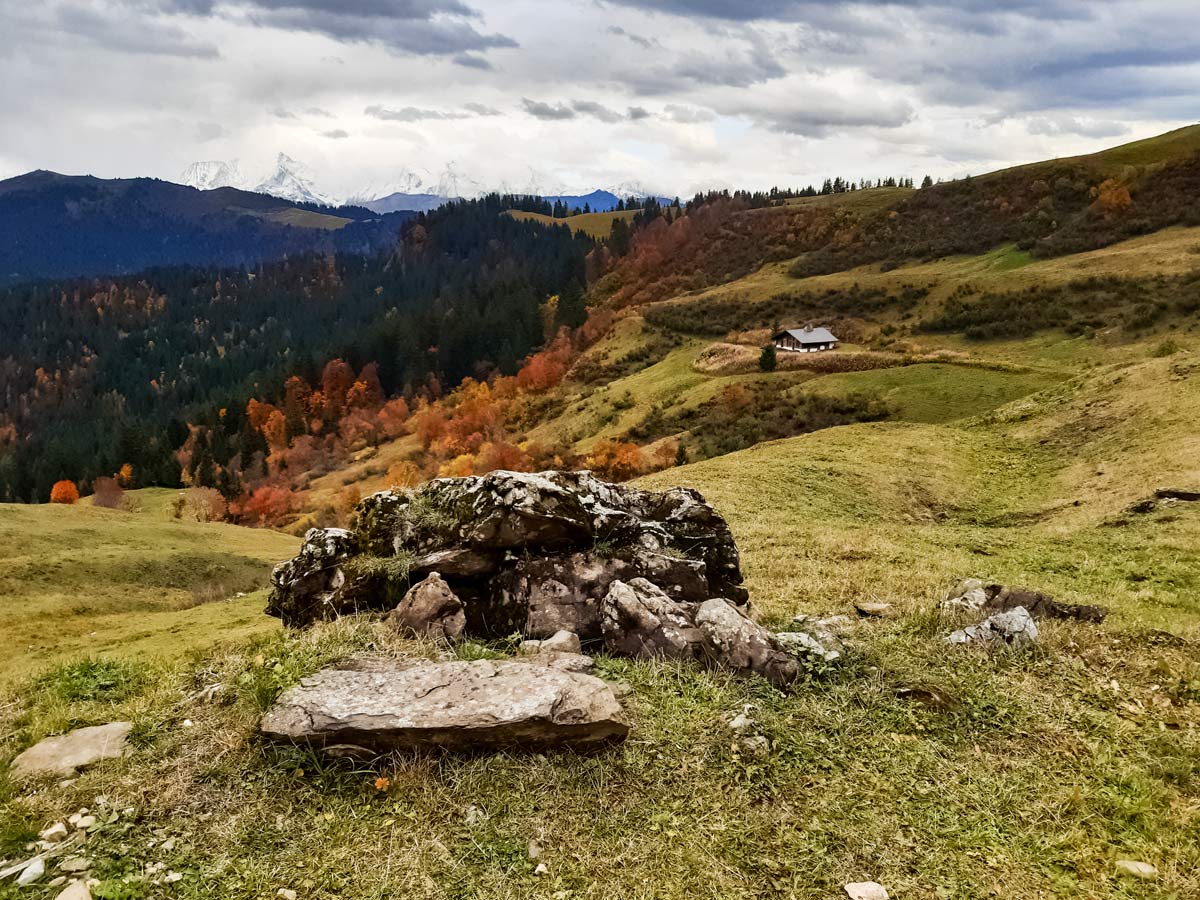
(266, 505)
(496, 455)
(546, 368)
(64, 492)
(1112, 197)
(616, 460)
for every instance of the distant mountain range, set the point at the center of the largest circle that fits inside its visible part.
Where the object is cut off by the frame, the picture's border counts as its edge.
(54, 225)
(61, 225)
(407, 191)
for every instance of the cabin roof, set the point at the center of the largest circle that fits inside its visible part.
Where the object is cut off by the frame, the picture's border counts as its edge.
(807, 336)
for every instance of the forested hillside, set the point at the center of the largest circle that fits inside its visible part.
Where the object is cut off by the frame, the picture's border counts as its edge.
(55, 225)
(100, 373)
(260, 383)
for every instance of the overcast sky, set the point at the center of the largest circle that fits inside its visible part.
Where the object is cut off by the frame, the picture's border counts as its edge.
(675, 95)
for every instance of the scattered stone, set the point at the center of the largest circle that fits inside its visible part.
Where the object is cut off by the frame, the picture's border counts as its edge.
(969, 596)
(980, 597)
(1015, 628)
(541, 869)
(868, 609)
(741, 644)
(76, 890)
(430, 609)
(86, 822)
(535, 849)
(286, 894)
(756, 745)
(562, 651)
(866, 890)
(74, 864)
(459, 705)
(34, 870)
(66, 754)
(828, 633)
(742, 722)
(560, 642)
(55, 833)
(803, 645)
(1137, 869)
(639, 620)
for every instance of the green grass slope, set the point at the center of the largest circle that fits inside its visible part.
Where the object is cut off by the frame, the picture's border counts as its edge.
(76, 580)
(1162, 148)
(597, 224)
(940, 772)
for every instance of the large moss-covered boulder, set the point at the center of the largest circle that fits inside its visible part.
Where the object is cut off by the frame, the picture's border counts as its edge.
(529, 552)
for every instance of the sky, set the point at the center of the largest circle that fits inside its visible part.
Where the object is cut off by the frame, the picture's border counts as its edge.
(669, 96)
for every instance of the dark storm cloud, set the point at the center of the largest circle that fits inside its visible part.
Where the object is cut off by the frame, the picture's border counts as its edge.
(644, 42)
(336, 134)
(596, 111)
(423, 27)
(736, 70)
(481, 109)
(128, 35)
(819, 119)
(736, 67)
(800, 10)
(411, 114)
(547, 112)
(561, 112)
(471, 61)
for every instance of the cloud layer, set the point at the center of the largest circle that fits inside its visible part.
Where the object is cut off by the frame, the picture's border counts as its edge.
(677, 95)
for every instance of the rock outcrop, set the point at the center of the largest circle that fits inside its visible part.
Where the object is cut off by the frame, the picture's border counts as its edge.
(974, 595)
(482, 704)
(559, 557)
(534, 553)
(1014, 627)
(67, 754)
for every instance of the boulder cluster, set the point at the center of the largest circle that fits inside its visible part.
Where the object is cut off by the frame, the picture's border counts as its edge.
(1013, 613)
(641, 573)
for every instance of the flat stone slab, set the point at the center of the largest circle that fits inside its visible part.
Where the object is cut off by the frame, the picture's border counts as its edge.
(462, 705)
(66, 754)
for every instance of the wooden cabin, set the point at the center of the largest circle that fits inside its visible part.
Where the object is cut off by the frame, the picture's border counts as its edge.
(805, 340)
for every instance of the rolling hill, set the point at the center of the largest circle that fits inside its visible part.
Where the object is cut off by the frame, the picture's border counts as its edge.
(55, 225)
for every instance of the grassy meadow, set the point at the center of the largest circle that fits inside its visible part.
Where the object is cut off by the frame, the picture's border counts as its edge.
(82, 581)
(939, 771)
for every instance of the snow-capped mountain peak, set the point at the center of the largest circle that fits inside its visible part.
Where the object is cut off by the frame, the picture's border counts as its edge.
(403, 182)
(212, 173)
(293, 181)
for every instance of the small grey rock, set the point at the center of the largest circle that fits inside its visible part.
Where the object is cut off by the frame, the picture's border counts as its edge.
(1015, 628)
(1137, 869)
(66, 754)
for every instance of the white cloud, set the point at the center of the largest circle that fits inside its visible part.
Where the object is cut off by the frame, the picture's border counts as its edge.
(677, 94)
